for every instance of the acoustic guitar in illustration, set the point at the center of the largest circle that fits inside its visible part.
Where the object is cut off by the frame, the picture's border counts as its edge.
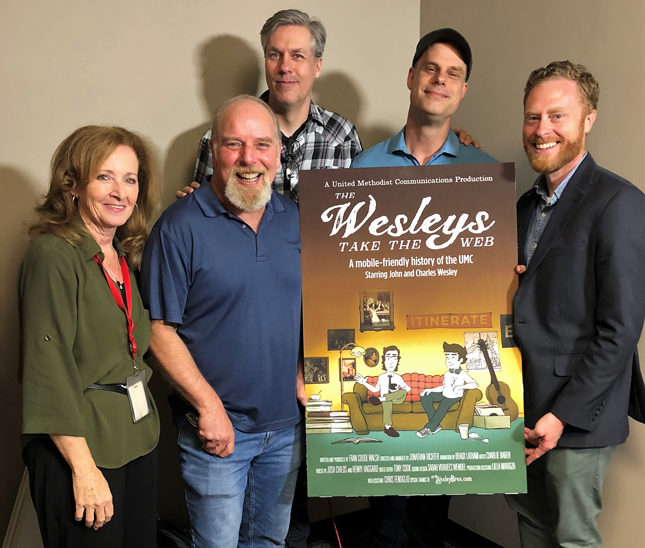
(498, 393)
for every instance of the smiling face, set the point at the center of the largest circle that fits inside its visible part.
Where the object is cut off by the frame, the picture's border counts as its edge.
(107, 201)
(556, 123)
(391, 360)
(453, 361)
(247, 156)
(437, 82)
(291, 67)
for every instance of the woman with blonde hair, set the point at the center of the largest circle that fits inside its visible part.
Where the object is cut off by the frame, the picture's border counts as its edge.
(90, 424)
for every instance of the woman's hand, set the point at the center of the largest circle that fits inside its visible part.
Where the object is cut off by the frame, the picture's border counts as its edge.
(93, 498)
(91, 491)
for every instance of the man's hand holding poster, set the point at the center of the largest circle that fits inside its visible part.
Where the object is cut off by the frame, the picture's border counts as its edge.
(414, 383)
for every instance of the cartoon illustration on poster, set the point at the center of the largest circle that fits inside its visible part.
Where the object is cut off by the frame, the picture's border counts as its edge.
(414, 383)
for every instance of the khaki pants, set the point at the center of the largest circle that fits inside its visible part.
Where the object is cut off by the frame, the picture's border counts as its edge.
(564, 499)
(391, 399)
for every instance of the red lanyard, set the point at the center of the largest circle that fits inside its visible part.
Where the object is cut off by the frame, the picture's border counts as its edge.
(119, 301)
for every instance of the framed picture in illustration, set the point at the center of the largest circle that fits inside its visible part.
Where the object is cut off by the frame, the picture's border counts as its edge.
(348, 368)
(316, 370)
(376, 308)
(337, 338)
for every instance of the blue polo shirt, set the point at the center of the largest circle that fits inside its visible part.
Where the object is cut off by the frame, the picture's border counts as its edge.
(235, 296)
(394, 153)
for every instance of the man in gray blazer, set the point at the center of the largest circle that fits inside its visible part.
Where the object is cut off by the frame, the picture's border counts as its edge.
(578, 311)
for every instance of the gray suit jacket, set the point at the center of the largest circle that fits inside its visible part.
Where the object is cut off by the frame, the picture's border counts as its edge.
(579, 308)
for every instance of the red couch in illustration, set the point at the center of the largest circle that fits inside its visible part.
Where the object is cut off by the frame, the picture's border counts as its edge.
(409, 415)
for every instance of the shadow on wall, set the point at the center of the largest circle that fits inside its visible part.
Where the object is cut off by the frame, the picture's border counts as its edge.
(337, 92)
(16, 212)
(227, 66)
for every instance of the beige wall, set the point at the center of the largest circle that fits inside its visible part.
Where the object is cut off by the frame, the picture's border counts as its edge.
(162, 67)
(509, 39)
(159, 67)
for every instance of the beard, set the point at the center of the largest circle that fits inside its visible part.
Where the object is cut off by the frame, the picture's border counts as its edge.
(568, 152)
(248, 199)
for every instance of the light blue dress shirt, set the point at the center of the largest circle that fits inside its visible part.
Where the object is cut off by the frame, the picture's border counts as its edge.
(543, 211)
(394, 153)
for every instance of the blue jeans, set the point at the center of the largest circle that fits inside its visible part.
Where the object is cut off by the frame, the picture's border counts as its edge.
(243, 499)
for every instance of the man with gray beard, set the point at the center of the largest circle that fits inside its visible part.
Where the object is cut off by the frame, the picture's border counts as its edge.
(221, 278)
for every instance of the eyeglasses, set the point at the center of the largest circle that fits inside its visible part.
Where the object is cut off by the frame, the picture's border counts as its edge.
(291, 178)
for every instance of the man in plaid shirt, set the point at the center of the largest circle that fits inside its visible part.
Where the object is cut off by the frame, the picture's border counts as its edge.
(312, 137)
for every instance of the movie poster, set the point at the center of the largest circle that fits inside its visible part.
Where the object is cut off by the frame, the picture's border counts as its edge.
(414, 382)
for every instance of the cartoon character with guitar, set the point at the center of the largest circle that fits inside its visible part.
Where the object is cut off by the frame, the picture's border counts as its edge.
(455, 381)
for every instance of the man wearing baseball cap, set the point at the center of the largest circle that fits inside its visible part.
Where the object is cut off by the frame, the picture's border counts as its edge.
(437, 80)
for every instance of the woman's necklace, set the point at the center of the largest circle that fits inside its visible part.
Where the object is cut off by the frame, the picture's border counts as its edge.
(112, 275)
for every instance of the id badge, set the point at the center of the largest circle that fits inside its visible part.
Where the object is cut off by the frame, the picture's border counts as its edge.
(137, 387)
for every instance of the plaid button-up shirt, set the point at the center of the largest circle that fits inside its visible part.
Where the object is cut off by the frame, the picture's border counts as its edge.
(328, 141)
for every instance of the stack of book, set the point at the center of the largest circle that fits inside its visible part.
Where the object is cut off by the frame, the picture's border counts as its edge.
(322, 420)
